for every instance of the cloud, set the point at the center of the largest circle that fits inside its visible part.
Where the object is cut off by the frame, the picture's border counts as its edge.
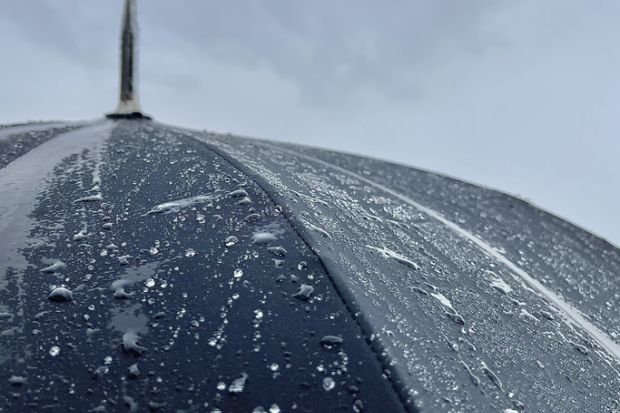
(328, 49)
(520, 96)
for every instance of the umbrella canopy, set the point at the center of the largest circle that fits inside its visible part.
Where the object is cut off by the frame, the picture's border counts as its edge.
(147, 266)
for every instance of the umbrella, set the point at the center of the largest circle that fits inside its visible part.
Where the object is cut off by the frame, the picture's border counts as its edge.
(145, 266)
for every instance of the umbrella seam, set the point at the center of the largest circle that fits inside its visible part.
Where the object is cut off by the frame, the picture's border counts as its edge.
(295, 226)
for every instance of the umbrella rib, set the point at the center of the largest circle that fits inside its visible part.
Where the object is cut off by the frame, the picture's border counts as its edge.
(570, 314)
(9, 140)
(340, 288)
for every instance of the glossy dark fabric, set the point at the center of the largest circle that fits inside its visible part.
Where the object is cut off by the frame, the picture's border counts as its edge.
(240, 275)
(206, 308)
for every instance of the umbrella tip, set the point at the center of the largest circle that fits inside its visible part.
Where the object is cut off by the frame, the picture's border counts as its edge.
(129, 104)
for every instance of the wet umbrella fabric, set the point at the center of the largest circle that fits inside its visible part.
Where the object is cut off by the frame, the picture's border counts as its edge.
(147, 266)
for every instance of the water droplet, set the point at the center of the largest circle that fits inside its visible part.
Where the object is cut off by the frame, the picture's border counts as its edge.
(130, 344)
(55, 267)
(176, 206)
(80, 235)
(155, 407)
(472, 376)
(150, 282)
(238, 273)
(274, 408)
(238, 193)
(54, 351)
(107, 360)
(263, 237)
(89, 198)
(221, 386)
(549, 316)
(492, 376)
(17, 381)
(328, 383)
(131, 403)
(232, 240)
(302, 265)
(124, 259)
(304, 293)
(274, 367)
(252, 218)
(61, 294)
(451, 312)
(154, 250)
(190, 252)
(200, 219)
(526, 315)
(581, 348)
(330, 341)
(258, 314)
(501, 286)
(238, 384)
(133, 371)
(316, 229)
(389, 254)
(278, 251)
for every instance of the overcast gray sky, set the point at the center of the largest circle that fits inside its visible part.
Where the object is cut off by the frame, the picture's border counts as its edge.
(522, 95)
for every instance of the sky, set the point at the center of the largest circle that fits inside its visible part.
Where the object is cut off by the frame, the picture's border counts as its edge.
(521, 96)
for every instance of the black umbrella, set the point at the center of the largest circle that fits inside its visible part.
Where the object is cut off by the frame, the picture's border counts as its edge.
(145, 266)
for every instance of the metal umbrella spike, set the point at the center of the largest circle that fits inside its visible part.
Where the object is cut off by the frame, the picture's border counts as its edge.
(129, 104)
